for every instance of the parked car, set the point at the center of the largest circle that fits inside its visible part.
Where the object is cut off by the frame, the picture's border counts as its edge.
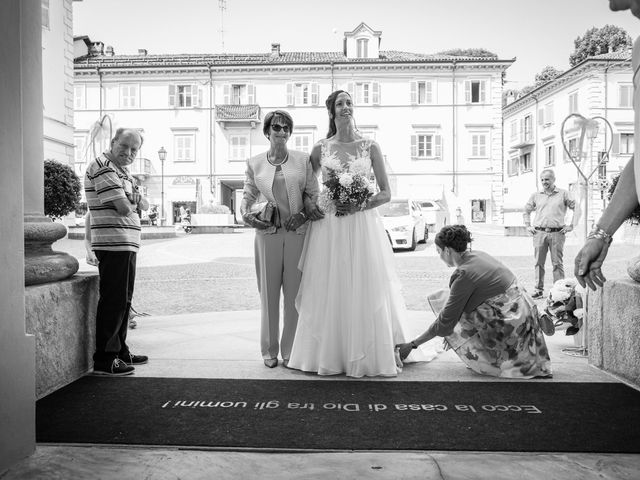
(435, 215)
(403, 221)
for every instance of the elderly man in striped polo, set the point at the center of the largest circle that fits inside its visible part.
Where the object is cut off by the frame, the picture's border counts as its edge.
(114, 202)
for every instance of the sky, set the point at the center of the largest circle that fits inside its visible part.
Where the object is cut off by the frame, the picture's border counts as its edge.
(535, 32)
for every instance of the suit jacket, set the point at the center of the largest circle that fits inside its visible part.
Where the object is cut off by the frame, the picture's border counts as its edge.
(299, 178)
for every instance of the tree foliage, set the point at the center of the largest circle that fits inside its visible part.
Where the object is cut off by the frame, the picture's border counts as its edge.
(469, 52)
(61, 189)
(547, 74)
(597, 41)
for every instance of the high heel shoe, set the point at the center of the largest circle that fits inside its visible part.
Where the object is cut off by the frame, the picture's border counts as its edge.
(271, 362)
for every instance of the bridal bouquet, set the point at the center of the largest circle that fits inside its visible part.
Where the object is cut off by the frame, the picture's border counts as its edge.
(347, 186)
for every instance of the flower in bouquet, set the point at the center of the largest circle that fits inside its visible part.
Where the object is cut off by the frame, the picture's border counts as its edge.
(347, 187)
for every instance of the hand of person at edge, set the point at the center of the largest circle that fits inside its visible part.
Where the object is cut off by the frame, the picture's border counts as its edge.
(405, 350)
(588, 263)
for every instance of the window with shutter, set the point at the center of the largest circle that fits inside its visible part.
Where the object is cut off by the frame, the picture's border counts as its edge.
(251, 94)
(314, 93)
(474, 91)
(573, 102)
(626, 143)
(414, 146)
(226, 96)
(238, 147)
(184, 147)
(413, 96)
(289, 94)
(79, 100)
(376, 93)
(626, 96)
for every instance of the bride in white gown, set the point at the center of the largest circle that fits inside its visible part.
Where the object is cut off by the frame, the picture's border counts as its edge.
(350, 307)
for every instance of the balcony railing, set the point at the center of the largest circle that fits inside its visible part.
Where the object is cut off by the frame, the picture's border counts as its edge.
(235, 114)
(522, 139)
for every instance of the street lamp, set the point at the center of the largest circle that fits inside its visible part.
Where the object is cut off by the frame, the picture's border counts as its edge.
(162, 155)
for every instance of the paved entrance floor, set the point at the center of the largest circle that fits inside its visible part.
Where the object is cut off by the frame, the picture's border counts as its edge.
(225, 345)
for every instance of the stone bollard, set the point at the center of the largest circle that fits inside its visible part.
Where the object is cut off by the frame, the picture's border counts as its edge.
(633, 269)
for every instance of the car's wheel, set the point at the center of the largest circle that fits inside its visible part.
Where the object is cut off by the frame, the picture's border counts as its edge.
(413, 240)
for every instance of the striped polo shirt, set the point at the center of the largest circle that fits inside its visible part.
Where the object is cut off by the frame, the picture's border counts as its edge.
(104, 182)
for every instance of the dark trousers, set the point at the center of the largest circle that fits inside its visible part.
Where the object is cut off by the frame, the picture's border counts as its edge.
(117, 272)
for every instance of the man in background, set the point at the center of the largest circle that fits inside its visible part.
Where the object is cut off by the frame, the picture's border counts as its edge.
(113, 200)
(548, 227)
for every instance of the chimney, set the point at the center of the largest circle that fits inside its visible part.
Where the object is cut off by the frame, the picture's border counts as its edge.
(275, 50)
(511, 97)
(142, 51)
(109, 51)
(96, 48)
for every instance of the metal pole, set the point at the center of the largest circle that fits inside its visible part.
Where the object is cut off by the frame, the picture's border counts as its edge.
(162, 219)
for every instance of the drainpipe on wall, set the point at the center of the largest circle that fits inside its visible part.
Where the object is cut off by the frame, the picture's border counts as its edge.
(535, 145)
(99, 89)
(212, 155)
(454, 180)
(332, 79)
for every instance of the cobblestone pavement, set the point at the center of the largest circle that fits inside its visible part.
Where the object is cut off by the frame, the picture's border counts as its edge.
(210, 273)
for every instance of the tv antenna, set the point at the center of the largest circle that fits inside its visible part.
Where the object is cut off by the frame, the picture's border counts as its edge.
(222, 5)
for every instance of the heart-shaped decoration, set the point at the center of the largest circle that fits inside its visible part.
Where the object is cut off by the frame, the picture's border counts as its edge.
(581, 137)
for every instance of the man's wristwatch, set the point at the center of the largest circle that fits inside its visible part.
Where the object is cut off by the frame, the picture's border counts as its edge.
(414, 345)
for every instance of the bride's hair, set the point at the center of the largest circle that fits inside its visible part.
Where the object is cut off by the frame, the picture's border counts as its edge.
(330, 102)
(453, 236)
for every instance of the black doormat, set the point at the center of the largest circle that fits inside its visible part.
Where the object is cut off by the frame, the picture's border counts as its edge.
(515, 416)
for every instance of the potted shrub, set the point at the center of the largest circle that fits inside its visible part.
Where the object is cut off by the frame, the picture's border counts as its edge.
(61, 189)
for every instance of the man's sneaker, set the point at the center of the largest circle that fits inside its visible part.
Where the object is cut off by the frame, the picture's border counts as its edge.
(538, 294)
(131, 359)
(547, 325)
(115, 368)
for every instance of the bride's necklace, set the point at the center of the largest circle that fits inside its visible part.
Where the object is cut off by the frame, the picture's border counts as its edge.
(276, 163)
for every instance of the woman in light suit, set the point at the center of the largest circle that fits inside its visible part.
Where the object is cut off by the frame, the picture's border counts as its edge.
(285, 179)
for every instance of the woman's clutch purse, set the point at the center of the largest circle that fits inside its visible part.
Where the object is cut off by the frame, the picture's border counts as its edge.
(263, 211)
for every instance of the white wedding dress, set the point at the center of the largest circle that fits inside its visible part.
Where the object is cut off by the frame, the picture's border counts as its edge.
(350, 307)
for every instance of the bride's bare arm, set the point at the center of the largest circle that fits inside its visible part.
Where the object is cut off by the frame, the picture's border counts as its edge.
(377, 161)
(315, 157)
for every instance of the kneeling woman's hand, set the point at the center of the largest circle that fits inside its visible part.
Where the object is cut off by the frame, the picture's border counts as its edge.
(404, 349)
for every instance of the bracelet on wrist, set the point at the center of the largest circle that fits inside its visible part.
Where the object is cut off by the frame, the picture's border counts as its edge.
(414, 345)
(304, 215)
(599, 233)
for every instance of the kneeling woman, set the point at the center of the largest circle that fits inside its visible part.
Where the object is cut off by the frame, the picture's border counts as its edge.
(486, 317)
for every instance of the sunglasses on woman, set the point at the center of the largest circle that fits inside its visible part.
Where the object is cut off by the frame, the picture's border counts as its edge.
(277, 128)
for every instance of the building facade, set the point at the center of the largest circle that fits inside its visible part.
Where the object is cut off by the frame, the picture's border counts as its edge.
(438, 119)
(600, 86)
(57, 66)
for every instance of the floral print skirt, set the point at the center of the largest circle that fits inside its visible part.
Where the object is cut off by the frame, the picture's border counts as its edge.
(502, 337)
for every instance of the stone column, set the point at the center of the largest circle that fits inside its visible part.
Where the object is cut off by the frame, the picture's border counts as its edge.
(20, 24)
(41, 263)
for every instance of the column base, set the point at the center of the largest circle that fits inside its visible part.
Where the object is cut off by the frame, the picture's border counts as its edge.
(41, 263)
